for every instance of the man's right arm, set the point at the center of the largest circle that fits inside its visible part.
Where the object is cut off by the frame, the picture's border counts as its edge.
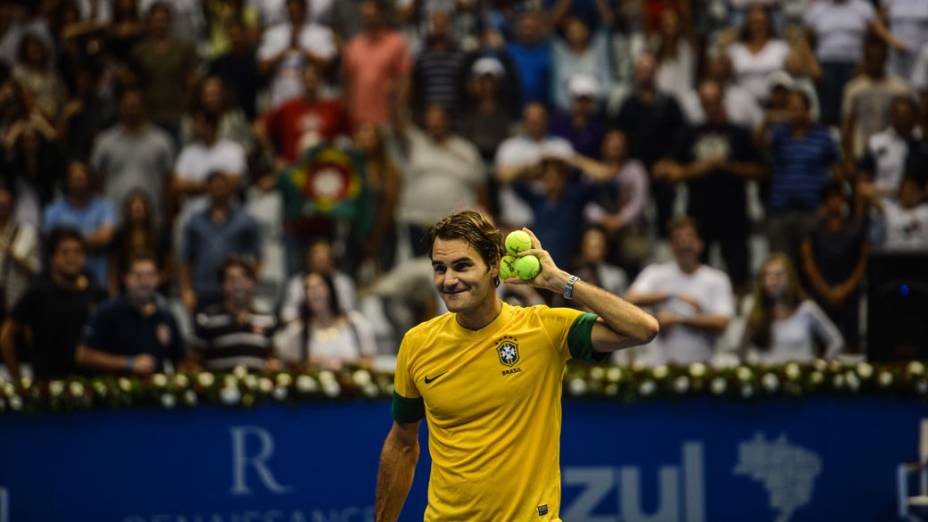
(397, 467)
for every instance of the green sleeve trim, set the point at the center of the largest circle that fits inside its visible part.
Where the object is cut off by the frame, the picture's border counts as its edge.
(580, 339)
(407, 410)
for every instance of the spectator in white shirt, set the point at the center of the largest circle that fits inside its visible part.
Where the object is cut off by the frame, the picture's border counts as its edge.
(319, 259)
(908, 20)
(444, 173)
(326, 335)
(839, 28)
(741, 106)
(783, 324)
(884, 161)
(676, 59)
(206, 155)
(758, 53)
(693, 302)
(287, 46)
(899, 223)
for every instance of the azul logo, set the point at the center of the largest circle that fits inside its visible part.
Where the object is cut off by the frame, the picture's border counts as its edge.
(681, 491)
(508, 350)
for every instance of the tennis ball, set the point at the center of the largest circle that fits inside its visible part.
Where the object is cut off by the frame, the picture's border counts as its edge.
(518, 241)
(506, 269)
(527, 267)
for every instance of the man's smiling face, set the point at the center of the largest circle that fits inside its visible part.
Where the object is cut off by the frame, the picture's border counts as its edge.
(461, 276)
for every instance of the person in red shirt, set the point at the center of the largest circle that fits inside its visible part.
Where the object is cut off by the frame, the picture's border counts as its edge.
(377, 68)
(301, 122)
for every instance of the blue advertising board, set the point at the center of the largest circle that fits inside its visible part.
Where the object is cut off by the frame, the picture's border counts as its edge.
(694, 460)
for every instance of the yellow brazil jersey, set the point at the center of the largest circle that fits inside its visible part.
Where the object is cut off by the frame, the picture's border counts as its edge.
(492, 401)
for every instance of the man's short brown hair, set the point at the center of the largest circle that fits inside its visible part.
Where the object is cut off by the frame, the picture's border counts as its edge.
(472, 227)
(682, 222)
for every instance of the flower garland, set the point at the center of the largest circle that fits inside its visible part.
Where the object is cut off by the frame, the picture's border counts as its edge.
(243, 389)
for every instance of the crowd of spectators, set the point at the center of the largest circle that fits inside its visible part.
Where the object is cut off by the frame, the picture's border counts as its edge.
(215, 183)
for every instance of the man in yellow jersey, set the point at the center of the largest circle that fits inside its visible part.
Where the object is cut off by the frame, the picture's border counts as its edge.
(487, 378)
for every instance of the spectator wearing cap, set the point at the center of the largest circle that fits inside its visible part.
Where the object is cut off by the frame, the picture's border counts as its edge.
(522, 152)
(210, 236)
(557, 208)
(583, 125)
(579, 53)
(887, 151)
(488, 119)
(803, 157)
(52, 312)
(439, 71)
(834, 260)
(867, 99)
(90, 214)
(286, 47)
(232, 332)
(134, 333)
(531, 53)
(741, 106)
(649, 117)
(377, 65)
(444, 173)
(716, 160)
(134, 154)
(166, 67)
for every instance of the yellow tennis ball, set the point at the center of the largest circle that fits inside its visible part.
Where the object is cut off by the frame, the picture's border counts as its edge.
(506, 269)
(518, 241)
(527, 267)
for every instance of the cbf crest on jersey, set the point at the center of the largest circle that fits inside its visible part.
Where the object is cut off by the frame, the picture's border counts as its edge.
(508, 350)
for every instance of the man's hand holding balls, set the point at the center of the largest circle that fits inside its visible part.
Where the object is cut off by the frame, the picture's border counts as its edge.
(527, 262)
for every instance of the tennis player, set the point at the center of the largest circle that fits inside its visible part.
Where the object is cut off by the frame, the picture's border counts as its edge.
(487, 378)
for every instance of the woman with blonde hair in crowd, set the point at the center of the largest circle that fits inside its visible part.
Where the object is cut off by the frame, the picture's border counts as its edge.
(783, 324)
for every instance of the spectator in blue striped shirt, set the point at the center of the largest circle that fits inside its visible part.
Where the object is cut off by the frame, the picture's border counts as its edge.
(803, 158)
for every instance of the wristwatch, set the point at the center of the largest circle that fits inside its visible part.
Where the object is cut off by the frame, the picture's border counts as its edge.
(569, 287)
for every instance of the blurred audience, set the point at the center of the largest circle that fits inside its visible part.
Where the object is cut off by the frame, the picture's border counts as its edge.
(134, 155)
(135, 333)
(258, 128)
(834, 260)
(231, 332)
(716, 160)
(693, 302)
(63, 297)
(210, 236)
(81, 208)
(325, 335)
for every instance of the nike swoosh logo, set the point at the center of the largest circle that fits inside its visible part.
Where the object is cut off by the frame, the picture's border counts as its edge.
(431, 380)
